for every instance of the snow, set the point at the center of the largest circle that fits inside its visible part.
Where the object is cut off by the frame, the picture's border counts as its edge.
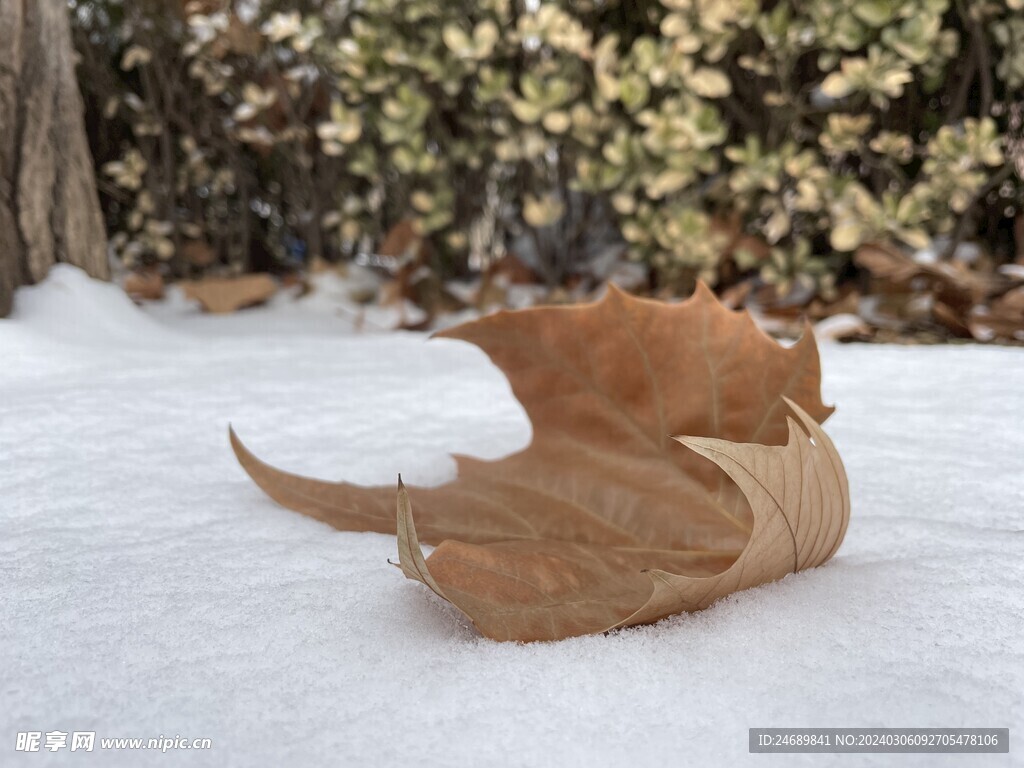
(149, 588)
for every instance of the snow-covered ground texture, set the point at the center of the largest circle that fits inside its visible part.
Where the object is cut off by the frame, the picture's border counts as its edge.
(149, 588)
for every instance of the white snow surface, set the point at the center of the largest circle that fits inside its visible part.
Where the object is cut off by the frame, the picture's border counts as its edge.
(150, 588)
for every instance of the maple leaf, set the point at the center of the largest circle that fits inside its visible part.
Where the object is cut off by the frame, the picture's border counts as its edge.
(221, 295)
(606, 519)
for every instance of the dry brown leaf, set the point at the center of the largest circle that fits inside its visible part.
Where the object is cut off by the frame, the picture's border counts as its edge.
(956, 284)
(144, 284)
(526, 590)
(887, 262)
(228, 294)
(1003, 319)
(586, 529)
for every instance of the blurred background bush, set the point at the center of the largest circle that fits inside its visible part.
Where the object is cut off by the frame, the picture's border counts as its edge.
(706, 139)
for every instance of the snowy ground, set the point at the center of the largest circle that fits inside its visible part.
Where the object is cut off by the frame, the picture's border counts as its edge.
(149, 588)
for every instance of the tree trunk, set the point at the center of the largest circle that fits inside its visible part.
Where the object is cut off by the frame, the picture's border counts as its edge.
(49, 206)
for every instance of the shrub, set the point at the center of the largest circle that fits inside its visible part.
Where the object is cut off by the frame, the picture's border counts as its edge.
(312, 128)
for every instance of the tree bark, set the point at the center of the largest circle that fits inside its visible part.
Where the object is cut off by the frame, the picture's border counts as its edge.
(49, 205)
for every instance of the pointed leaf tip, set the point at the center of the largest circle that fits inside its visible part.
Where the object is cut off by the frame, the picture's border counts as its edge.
(410, 554)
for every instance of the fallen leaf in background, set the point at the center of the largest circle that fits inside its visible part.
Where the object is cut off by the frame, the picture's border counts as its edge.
(585, 529)
(944, 295)
(229, 294)
(1004, 318)
(144, 285)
